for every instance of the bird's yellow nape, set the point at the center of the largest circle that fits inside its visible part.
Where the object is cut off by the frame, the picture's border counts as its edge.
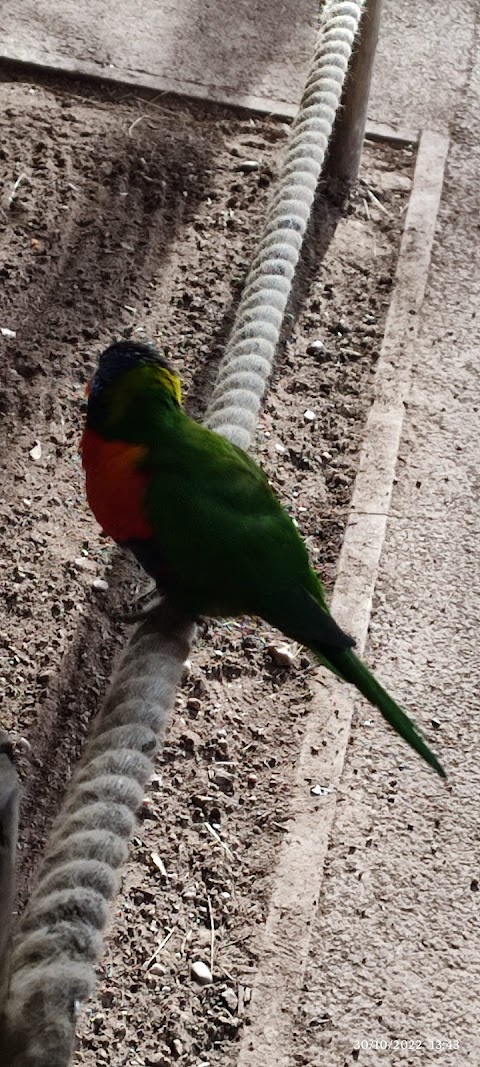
(171, 382)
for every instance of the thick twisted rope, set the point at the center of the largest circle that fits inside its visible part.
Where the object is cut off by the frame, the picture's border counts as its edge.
(59, 939)
(250, 350)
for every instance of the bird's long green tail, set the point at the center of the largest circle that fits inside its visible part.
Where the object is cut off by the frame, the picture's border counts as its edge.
(351, 669)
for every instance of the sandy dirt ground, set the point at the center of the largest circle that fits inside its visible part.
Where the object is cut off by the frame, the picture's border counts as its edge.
(117, 228)
(137, 228)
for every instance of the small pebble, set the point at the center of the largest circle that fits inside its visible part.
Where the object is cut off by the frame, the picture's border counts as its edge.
(35, 453)
(316, 348)
(100, 584)
(321, 790)
(230, 998)
(282, 655)
(201, 973)
(9, 334)
(283, 129)
(247, 166)
(252, 779)
(224, 782)
(157, 862)
(44, 676)
(309, 416)
(81, 563)
(389, 181)
(280, 448)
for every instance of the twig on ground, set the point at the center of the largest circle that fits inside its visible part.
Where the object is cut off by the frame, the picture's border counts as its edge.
(212, 933)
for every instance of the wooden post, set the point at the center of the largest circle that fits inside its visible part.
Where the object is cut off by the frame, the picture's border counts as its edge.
(9, 805)
(347, 140)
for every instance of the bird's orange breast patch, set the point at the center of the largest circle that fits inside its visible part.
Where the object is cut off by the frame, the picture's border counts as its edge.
(116, 487)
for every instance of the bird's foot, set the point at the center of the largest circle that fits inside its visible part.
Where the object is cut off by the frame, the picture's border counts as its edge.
(138, 614)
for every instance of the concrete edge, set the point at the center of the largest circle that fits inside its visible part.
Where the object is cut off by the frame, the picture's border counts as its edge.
(58, 64)
(383, 133)
(299, 875)
(63, 65)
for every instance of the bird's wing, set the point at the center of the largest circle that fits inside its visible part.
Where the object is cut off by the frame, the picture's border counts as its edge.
(219, 525)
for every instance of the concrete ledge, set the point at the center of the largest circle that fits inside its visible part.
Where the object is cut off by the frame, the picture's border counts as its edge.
(382, 132)
(253, 56)
(32, 57)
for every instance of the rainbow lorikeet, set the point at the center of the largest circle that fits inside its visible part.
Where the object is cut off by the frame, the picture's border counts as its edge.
(202, 520)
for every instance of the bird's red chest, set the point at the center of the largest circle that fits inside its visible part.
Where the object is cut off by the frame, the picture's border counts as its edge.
(116, 488)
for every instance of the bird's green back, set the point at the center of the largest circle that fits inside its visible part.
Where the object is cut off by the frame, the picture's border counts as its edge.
(220, 525)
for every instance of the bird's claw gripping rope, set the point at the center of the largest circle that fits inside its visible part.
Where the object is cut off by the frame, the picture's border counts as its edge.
(138, 614)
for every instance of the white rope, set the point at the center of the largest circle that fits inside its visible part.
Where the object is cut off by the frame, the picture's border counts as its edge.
(250, 350)
(59, 939)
